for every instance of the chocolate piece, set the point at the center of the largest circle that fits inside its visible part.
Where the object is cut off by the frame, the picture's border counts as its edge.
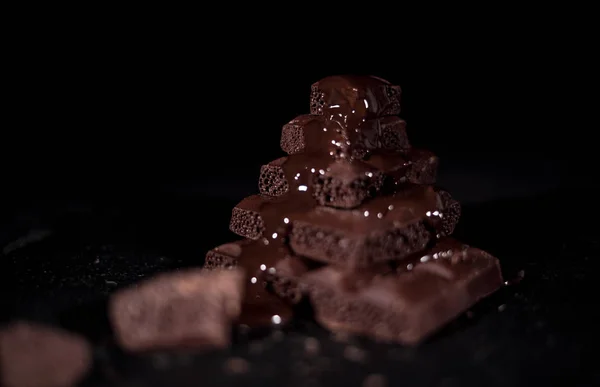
(407, 303)
(423, 167)
(258, 259)
(36, 355)
(350, 99)
(274, 268)
(261, 216)
(317, 135)
(346, 183)
(451, 212)
(224, 256)
(185, 309)
(417, 166)
(384, 228)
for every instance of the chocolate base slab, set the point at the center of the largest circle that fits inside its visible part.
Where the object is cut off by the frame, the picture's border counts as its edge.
(35, 355)
(186, 309)
(317, 135)
(384, 228)
(406, 303)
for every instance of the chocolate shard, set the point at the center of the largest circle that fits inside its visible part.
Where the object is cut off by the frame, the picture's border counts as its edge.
(316, 135)
(450, 212)
(384, 228)
(359, 96)
(407, 303)
(35, 355)
(185, 309)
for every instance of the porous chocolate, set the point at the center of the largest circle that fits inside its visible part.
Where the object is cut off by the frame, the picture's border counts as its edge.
(384, 228)
(35, 355)
(274, 268)
(346, 183)
(320, 136)
(189, 309)
(224, 256)
(408, 302)
(354, 96)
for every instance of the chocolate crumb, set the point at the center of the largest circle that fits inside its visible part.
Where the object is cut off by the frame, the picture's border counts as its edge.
(375, 380)
(354, 354)
(312, 346)
(236, 365)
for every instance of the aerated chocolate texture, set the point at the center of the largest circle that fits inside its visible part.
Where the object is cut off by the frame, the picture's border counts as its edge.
(191, 309)
(406, 302)
(350, 219)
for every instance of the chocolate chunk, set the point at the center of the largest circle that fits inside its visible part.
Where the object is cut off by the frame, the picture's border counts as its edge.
(185, 309)
(355, 96)
(224, 256)
(272, 181)
(423, 167)
(451, 211)
(317, 135)
(276, 267)
(261, 216)
(346, 184)
(36, 355)
(408, 303)
(384, 228)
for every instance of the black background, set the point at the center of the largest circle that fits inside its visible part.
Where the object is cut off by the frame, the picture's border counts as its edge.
(136, 144)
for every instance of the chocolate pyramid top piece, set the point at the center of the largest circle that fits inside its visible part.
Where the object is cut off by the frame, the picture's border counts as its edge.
(354, 96)
(317, 134)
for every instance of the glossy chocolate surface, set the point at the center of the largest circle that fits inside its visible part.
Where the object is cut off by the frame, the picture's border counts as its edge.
(405, 301)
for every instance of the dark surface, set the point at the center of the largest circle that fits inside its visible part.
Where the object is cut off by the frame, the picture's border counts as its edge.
(132, 149)
(541, 327)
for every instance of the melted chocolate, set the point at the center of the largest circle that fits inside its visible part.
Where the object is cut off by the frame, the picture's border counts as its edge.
(326, 137)
(345, 124)
(350, 100)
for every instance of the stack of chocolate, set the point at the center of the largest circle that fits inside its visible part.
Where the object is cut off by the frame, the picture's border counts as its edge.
(351, 219)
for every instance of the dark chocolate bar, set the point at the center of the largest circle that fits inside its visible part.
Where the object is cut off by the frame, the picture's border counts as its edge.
(37, 355)
(406, 303)
(317, 135)
(384, 228)
(193, 308)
